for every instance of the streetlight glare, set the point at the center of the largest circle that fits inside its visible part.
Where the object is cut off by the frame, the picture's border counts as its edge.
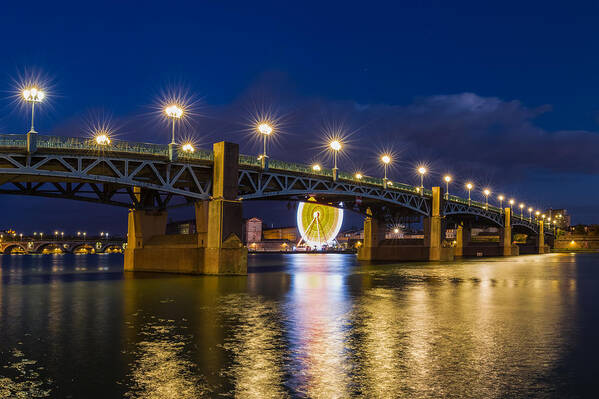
(264, 128)
(316, 167)
(102, 139)
(386, 159)
(512, 202)
(469, 186)
(422, 170)
(187, 147)
(501, 198)
(33, 95)
(447, 178)
(487, 191)
(358, 175)
(335, 145)
(173, 111)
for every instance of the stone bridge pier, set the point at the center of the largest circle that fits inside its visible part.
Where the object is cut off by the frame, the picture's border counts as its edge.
(376, 248)
(216, 248)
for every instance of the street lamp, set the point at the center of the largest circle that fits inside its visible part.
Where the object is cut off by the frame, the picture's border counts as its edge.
(469, 187)
(265, 130)
(447, 179)
(188, 147)
(359, 175)
(422, 172)
(386, 160)
(486, 192)
(316, 167)
(336, 147)
(501, 198)
(511, 203)
(33, 95)
(174, 112)
(521, 206)
(530, 214)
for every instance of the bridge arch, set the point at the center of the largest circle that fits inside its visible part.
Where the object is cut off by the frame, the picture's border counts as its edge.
(10, 247)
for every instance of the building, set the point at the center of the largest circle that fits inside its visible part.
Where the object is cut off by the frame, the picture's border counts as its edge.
(564, 220)
(281, 233)
(252, 231)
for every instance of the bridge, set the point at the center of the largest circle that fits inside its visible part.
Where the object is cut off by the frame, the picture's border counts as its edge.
(29, 245)
(149, 179)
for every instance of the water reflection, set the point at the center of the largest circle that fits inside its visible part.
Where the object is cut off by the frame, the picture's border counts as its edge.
(318, 326)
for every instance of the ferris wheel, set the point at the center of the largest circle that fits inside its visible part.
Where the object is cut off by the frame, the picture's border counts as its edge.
(318, 224)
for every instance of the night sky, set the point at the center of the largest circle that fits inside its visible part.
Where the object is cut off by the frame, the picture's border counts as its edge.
(503, 94)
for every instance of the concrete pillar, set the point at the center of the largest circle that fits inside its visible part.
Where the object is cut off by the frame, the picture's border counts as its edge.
(433, 228)
(507, 232)
(201, 212)
(225, 253)
(541, 237)
(374, 233)
(462, 238)
(142, 226)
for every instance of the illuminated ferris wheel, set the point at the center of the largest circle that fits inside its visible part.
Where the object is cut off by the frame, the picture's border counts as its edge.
(318, 224)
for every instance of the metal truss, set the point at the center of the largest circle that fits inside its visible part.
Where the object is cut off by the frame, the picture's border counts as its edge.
(456, 208)
(255, 184)
(137, 183)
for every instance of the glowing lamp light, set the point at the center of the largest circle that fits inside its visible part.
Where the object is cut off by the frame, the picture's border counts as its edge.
(486, 192)
(316, 167)
(33, 95)
(447, 179)
(537, 213)
(187, 147)
(335, 145)
(102, 139)
(469, 186)
(501, 198)
(386, 159)
(530, 210)
(396, 230)
(512, 202)
(173, 111)
(422, 170)
(359, 175)
(264, 128)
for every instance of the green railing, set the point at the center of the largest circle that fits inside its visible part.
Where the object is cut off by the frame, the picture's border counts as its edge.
(13, 140)
(84, 144)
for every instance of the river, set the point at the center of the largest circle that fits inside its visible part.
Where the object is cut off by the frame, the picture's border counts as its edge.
(300, 325)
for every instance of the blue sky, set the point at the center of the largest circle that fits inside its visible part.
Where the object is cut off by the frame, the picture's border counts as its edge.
(503, 93)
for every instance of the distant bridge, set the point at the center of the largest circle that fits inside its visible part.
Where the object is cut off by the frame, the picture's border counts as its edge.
(37, 246)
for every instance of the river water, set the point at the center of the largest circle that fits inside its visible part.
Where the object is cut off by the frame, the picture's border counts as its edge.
(303, 325)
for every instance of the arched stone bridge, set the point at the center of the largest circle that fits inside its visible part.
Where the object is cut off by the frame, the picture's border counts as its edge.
(37, 246)
(152, 176)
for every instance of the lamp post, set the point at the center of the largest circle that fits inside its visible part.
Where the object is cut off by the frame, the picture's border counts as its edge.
(358, 176)
(422, 172)
(336, 147)
(265, 130)
(447, 179)
(33, 95)
(511, 203)
(174, 112)
(530, 214)
(501, 198)
(486, 192)
(521, 206)
(386, 160)
(469, 187)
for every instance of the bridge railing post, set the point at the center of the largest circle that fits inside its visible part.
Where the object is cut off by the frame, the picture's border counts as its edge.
(31, 142)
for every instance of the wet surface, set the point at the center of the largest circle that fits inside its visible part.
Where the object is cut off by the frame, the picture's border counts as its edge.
(304, 325)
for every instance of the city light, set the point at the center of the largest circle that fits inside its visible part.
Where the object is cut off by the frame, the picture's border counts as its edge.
(265, 129)
(422, 172)
(512, 202)
(530, 214)
(486, 192)
(521, 206)
(358, 175)
(316, 167)
(336, 147)
(187, 147)
(33, 95)
(174, 112)
(102, 139)
(447, 179)
(386, 160)
(469, 187)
